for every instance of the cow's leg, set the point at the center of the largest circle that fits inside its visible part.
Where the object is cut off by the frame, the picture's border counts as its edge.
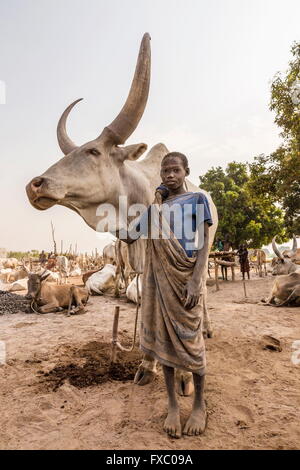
(49, 308)
(117, 283)
(172, 423)
(197, 421)
(184, 385)
(118, 278)
(75, 293)
(127, 276)
(270, 301)
(76, 298)
(146, 371)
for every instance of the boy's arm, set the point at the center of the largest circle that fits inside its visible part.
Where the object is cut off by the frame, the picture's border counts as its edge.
(161, 192)
(193, 288)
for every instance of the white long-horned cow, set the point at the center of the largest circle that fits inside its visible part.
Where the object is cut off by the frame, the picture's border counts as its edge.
(102, 170)
(286, 289)
(284, 263)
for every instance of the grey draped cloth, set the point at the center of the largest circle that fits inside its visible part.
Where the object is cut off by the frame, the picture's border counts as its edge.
(169, 332)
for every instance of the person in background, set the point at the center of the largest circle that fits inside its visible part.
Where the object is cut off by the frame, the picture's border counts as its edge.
(43, 258)
(244, 260)
(219, 244)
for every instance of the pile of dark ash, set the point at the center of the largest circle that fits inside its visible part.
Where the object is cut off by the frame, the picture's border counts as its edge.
(97, 368)
(12, 303)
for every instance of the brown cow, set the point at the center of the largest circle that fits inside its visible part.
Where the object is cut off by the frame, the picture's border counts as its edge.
(261, 261)
(49, 297)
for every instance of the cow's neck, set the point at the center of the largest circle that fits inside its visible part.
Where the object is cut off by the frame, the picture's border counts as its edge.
(134, 185)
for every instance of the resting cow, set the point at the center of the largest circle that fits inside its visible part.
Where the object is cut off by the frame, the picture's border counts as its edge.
(102, 280)
(47, 297)
(286, 289)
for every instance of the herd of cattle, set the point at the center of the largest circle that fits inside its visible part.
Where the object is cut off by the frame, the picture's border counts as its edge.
(47, 283)
(48, 288)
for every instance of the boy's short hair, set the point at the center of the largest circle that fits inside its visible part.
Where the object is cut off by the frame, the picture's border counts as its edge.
(182, 157)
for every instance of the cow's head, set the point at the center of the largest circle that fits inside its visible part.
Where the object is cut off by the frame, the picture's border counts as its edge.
(34, 284)
(97, 172)
(283, 264)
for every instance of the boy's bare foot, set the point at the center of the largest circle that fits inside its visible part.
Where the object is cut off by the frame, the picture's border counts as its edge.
(172, 424)
(196, 423)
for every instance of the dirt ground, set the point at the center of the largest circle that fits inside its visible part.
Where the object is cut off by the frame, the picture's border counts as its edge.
(57, 392)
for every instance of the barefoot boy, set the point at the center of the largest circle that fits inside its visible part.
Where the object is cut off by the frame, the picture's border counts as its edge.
(171, 324)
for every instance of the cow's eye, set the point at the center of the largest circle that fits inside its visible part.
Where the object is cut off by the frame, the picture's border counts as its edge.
(93, 151)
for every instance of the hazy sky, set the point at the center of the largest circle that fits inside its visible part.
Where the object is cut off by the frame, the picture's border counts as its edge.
(212, 63)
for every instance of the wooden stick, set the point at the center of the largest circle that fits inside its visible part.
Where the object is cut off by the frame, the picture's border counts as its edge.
(217, 276)
(115, 335)
(245, 291)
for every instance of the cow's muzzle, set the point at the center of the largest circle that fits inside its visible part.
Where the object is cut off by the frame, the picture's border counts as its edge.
(40, 194)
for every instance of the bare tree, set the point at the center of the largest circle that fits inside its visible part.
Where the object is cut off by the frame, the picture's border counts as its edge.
(54, 242)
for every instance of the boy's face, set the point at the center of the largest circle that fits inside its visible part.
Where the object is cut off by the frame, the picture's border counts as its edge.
(172, 173)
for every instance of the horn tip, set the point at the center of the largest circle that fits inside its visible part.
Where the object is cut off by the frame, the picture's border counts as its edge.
(147, 36)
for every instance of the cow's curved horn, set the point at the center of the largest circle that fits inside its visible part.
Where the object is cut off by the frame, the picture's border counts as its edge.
(293, 251)
(65, 143)
(129, 117)
(275, 249)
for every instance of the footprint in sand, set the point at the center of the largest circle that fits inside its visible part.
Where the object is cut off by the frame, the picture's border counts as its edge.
(242, 414)
(23, 324)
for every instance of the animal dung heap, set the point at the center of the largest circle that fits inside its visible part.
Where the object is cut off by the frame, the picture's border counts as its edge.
(12, 303)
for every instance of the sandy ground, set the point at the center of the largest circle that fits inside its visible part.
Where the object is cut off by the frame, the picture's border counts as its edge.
(253, 394)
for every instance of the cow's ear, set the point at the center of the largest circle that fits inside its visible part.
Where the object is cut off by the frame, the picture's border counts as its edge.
(133, 152)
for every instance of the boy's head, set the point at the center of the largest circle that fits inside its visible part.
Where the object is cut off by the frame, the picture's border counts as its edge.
(174, 169)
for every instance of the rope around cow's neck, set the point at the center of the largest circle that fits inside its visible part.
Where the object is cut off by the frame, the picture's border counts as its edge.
(32, 307)
(35, 299)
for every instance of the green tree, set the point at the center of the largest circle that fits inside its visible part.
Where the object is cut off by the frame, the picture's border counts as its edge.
(243, 215)
(277, 176)
(285, 99)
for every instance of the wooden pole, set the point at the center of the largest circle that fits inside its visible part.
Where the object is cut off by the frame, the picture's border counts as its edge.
(245, 291)
(217, 276)
(115, 335)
